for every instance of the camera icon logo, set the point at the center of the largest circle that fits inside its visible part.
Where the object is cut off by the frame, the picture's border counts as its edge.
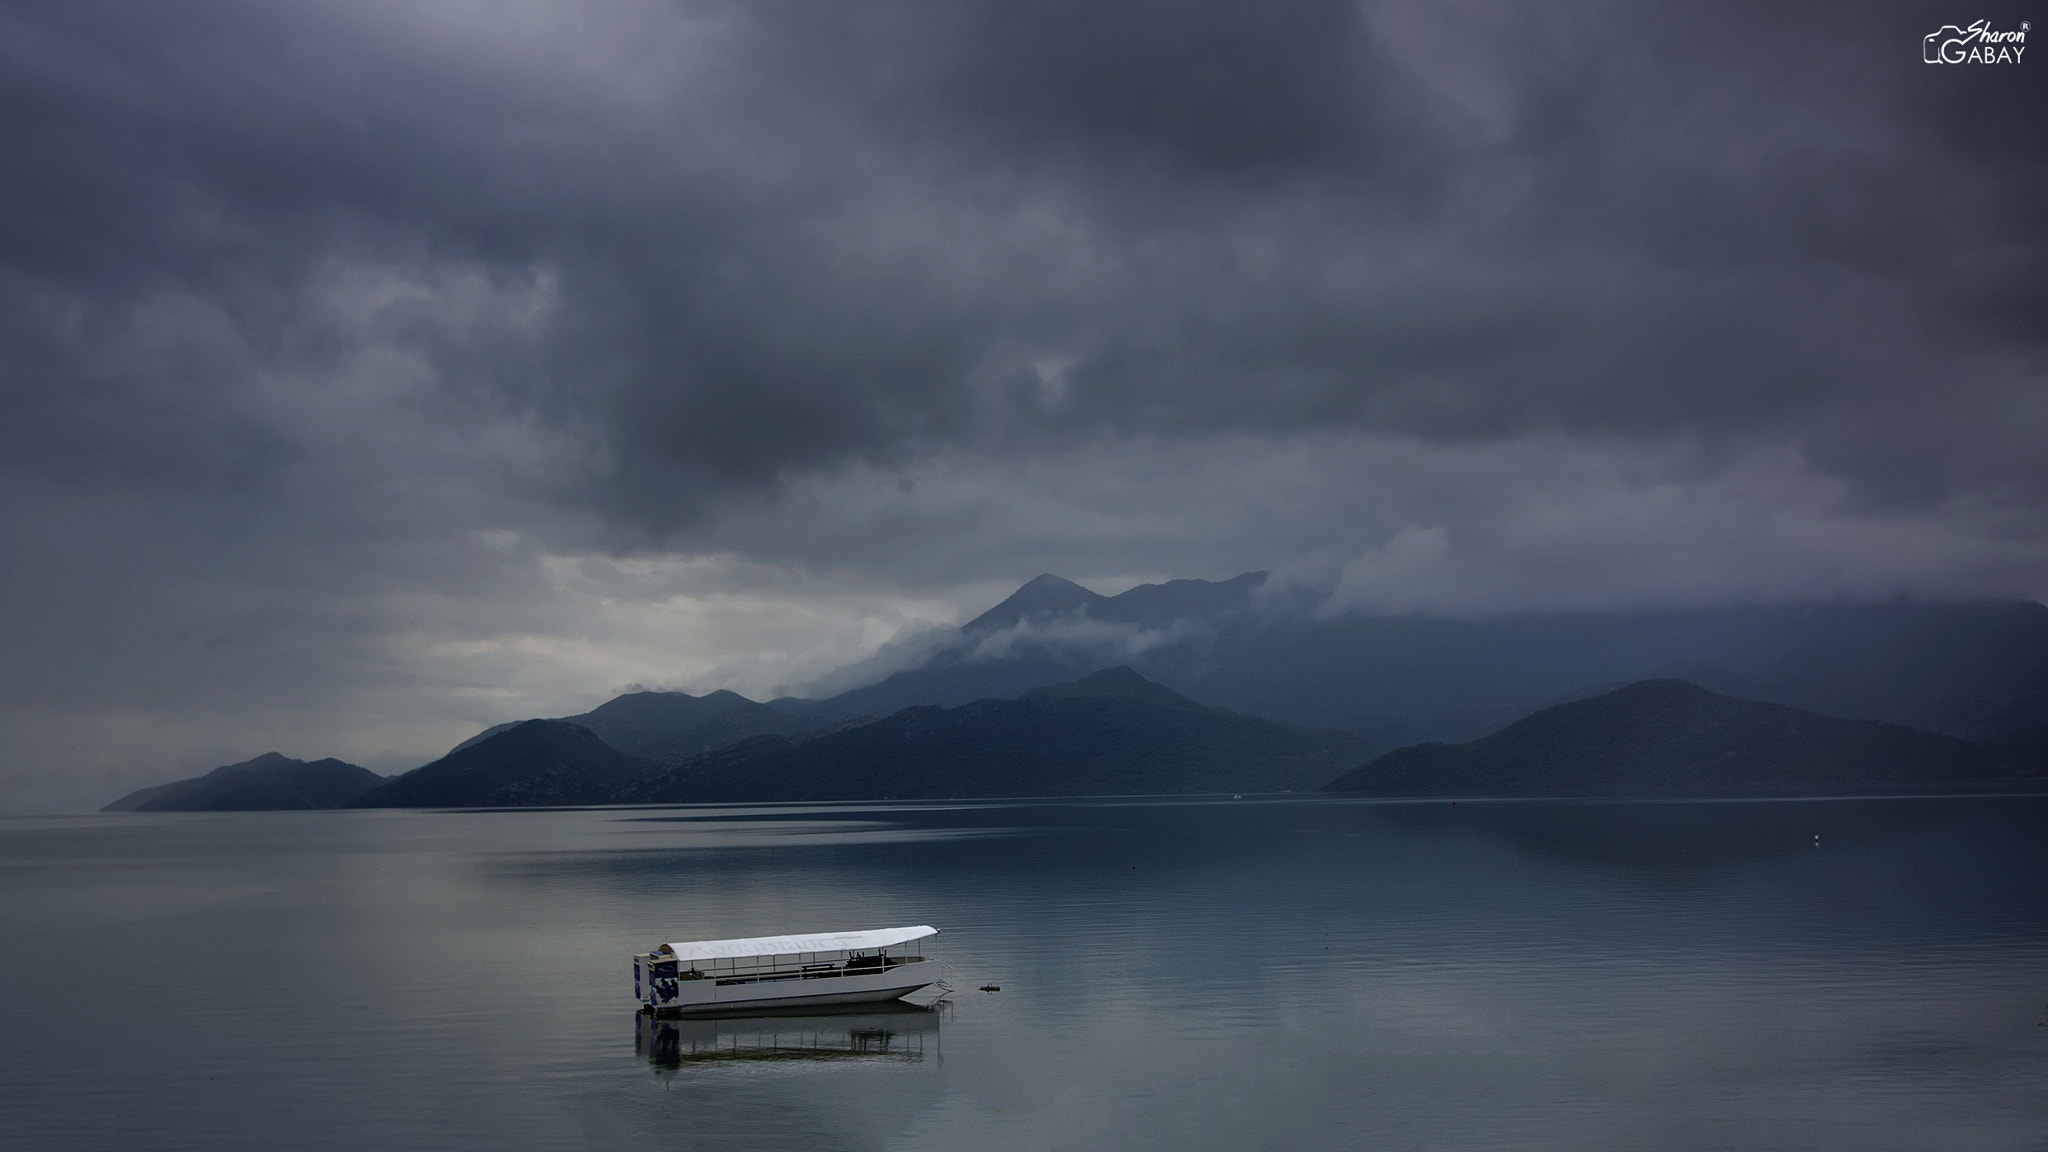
(1945, 46)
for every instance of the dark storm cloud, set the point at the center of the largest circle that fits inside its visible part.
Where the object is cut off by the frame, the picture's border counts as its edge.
(1689, 222)
(790, 234)
(1195, 89)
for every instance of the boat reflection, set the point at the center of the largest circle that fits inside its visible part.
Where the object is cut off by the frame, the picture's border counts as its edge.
(895, 1032)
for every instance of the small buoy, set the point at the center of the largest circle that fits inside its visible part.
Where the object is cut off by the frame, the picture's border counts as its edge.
(991, 988)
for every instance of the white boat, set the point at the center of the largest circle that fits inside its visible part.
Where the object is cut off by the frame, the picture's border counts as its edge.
(697, 976)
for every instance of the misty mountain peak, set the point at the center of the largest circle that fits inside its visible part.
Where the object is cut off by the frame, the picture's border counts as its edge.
(1159, 605)
(1043, 595)
(1147, 605)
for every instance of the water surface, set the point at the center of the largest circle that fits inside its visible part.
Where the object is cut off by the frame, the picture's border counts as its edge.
(1194, 974)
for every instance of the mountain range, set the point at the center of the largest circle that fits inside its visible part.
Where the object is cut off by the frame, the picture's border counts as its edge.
(1116, 733)
(1673, 738)
(1974, 669)
(657, 725)
(1244, 650)
(1111, 733)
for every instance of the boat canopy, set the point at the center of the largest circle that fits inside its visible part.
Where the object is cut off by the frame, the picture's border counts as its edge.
(789, 945)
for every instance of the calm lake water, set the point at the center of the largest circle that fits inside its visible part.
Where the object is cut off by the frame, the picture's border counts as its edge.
(1201, 974)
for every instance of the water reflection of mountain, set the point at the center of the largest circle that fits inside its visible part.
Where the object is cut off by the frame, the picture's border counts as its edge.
(900, 1032)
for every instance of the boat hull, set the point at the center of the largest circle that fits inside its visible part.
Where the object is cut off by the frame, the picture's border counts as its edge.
(701, 996)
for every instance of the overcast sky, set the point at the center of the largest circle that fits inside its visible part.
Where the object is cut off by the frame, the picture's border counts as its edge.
(376, 371)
